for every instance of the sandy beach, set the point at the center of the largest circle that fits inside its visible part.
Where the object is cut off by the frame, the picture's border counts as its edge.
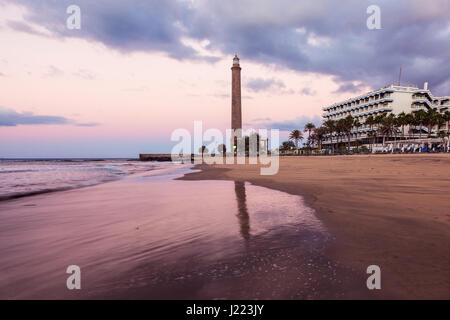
(389, 210)
(150, 236)
(225, 232)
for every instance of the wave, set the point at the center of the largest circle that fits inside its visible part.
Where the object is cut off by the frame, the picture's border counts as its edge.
(55, 189)
(16, 170)
(24, 182)
(33, 193)
(61, 160)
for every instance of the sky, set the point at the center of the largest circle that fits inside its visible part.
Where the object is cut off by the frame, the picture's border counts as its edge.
(138, 70)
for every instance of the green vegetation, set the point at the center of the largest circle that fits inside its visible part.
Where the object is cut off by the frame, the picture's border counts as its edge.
(378, 129)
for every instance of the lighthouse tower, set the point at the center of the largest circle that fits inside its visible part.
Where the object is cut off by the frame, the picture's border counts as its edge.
(236, 113)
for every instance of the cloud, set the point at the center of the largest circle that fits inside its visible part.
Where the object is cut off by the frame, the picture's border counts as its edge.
(257, 122)
(261, 119)
(260, 84)
(87, 124)
(134, 26)
(325, 37)
(84, 74)
(26, 28)
(307, 92)
(53, 71)
(11, 118)
(349, 86)
(288, 125)
(221, 95)
(137, 89)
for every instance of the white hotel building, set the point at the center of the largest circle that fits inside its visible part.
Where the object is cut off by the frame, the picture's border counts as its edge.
(391, 99)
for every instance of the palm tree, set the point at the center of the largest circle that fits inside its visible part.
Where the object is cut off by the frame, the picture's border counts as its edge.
(431, 120)
(313, 140)
(330, 126)
(357, 125)
(386, 127)
(401, 121)
(320, 133)
(358, 143)
(409, 121)
(347, 126)
(370, 121)
(442, 134)
(419, 118)
(440, 120)
(202, 150)
(446, 117)
(296, 135)
(222, 149)
(340, 129)
(287, 145)
(393, 123)
(371, 135)
(309, 143)
(378, 120)
(309, 127)
(396, 123)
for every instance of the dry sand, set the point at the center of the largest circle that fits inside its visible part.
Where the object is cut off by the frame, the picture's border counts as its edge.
(389, 210)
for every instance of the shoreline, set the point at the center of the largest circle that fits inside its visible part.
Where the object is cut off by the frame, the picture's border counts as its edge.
(388, 210)
(69, 183)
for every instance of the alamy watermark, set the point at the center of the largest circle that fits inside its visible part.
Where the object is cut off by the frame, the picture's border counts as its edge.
(74, 280)
(374, 280)
(210, 147)
(73, 22)
(373, 22)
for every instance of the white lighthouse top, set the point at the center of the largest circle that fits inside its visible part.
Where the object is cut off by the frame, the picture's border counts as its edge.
(235, 60)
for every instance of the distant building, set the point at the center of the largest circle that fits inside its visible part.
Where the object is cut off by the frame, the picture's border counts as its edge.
(395, 99)
(391, 99)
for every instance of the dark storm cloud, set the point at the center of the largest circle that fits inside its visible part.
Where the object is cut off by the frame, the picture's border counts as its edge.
(348, 86)
(323, 36)
(123, 25)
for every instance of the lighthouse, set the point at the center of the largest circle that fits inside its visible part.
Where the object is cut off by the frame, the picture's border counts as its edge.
(236, 112)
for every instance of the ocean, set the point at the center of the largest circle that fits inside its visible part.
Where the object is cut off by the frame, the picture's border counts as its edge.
(20, 177)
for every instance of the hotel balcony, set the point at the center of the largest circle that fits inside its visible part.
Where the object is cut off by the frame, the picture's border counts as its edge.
(361, 100)
(357, 114)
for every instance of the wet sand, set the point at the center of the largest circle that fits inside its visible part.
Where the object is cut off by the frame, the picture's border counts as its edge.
(150, 236)
(388, 210)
